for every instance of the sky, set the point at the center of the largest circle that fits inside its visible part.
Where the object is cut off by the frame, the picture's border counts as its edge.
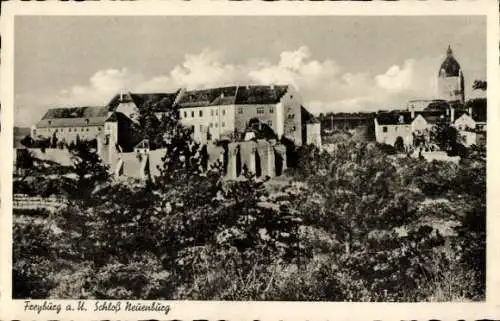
(337, 63)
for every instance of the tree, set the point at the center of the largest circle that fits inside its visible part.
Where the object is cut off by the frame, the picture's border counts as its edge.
(448, 139)
(88, 169)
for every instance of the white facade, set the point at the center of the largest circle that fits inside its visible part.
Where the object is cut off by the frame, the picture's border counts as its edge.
(420, 125)
(213, 120)
(387, 134)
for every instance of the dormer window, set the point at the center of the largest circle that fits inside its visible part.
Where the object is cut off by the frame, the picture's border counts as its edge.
(50, 122)
(401, 119)
(87, 121)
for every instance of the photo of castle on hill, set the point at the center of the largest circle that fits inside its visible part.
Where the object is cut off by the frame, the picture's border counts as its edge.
(268, 165)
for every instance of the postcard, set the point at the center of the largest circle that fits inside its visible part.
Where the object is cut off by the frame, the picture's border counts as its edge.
(250, 161)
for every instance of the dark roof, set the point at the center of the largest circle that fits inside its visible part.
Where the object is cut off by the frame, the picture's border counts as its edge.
(160, 101)
(248, 95)
(394, 118)
(74, 116)
(450, 65)
(233, 95)
(208, 97)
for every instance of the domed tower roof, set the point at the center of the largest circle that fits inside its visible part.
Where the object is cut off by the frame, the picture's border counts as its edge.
(450, 66)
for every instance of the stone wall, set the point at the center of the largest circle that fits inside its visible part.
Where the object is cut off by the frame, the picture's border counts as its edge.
(261, 157)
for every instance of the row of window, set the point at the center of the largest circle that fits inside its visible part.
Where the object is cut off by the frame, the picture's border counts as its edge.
(223, 124)
(86, 121)
(61, 130)
(260, 110)
(213, 112)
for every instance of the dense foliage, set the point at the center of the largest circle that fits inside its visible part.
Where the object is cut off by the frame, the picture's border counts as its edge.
(354, 224)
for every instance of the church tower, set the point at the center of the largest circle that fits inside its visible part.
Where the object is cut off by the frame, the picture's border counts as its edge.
(451, 79)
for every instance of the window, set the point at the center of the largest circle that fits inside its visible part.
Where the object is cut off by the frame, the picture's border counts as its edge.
(216, 112)
(192, 114)
(271, 110)
(87, 129)
(216, 125)
(201, 127)
(260, 110)
(240, 110)
(223, 124)
(211, 125)
(223, 112)
(211, 112)
(69, 130)
(291, 116)
(50, 122)
(99, 128)
(55, 130)
(270, 123)
(384, 129)
(34, 132)
(86, 121)
(201, 113)
(185, 114)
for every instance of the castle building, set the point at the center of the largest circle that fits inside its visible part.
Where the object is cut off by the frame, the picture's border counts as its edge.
(87, 123)
(450, 84)
(219, 113)
(257, 123)
(68, 124)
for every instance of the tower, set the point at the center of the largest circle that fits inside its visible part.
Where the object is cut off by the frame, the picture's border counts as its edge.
(451, 79)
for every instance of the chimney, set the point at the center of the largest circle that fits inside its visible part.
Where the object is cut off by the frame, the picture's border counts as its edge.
(452, 117)
(121, 95)
(470, 111)
(412, 113)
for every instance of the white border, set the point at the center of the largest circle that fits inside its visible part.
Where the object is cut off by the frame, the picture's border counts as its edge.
(190, 310)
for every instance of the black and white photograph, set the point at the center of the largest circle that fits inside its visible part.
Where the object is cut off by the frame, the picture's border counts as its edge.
(250, 158)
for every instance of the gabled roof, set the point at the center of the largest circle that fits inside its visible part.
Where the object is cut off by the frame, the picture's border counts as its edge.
(73, 117)
(233, 95)
(208, 97)
(248, 95)
(160, 102)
